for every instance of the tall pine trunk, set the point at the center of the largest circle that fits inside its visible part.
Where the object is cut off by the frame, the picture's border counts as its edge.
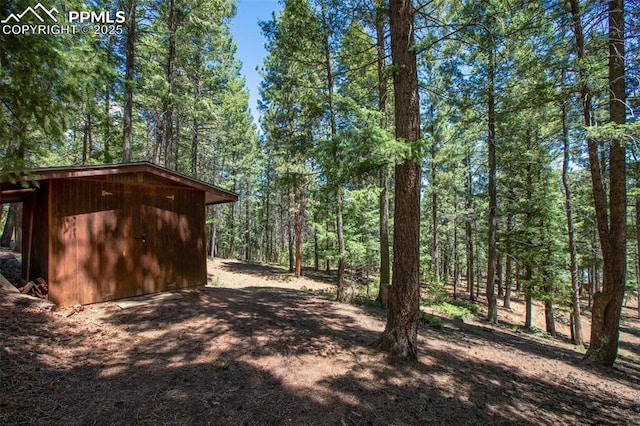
(298, 220)
(611, 221)
(383, 203)
(336, 157)
(492, 249)
(400, 336)
(576, 331)
(610, 213)
(168, 106)
(468, 235)
(247, 225)
(528, 300)
(385, 279)
(435, 249)
(127, 117)
(637, 203)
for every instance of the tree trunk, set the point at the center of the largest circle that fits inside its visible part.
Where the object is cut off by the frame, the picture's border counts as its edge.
(340, 232)
(469, 229)
(576, 331)
(508, 273)
(383, 204)
(298, 218)
(435, 249)
(12, 231)
(383, 294)
(107, 122)
(316, 255)
(637, 200)
(549, 317)
(492, 251)
(336, 156)
(528, 316)
(127, 118)
(168, 103)
(247, 227)
(611, 213)
(400, 336)
(290, 233)
(499, 280)
(232, 231)
(85, 139)
(195, 139)
(456, 255)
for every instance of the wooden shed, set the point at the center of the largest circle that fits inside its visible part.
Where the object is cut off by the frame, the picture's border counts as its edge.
(99, 233)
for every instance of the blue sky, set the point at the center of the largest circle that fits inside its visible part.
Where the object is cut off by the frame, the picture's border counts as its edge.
(246, 34)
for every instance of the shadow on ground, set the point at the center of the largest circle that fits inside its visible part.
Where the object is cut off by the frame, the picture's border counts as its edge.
(275, 272)
(234, 356)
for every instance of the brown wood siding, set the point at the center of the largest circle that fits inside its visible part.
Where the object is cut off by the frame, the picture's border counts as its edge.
(111, 240)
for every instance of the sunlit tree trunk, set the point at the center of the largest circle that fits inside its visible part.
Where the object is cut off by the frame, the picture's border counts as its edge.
(611, 210)
(400, 336)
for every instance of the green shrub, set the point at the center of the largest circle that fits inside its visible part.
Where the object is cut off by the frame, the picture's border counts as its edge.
(431, 320)
(451, 310)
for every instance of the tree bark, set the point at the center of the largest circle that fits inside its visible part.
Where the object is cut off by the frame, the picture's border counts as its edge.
(637, 203)
(528, 315)
(607, 304)
(611, 212)
(336, 157)
(247, 227)
(549, 317)
(290, 233)
(469, 229)
(492, 250)
(508, 273)
(107, 123)
(400, 336)
(168, 102)
(383, 203)
(298, 219)
(340, 233)
(456, 255)
(435, 248)
(573, 252)
(383, 294)
(316, 249)
(11, 226)
(127, 118)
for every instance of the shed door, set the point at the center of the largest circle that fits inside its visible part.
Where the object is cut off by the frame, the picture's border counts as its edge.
(173, 253)
(91, 254)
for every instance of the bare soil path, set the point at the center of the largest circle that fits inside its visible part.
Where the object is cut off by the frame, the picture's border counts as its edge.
(263, 348)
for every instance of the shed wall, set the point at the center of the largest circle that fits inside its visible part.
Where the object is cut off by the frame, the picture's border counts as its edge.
(111, 240)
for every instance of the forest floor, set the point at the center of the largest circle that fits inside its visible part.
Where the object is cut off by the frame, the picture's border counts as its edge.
(261, 347)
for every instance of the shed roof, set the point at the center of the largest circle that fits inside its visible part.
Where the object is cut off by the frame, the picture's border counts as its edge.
(141, 172)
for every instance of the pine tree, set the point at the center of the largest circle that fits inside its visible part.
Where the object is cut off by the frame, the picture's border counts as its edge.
(400, 336)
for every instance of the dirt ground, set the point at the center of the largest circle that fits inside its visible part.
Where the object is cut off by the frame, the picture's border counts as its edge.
(261, 347)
